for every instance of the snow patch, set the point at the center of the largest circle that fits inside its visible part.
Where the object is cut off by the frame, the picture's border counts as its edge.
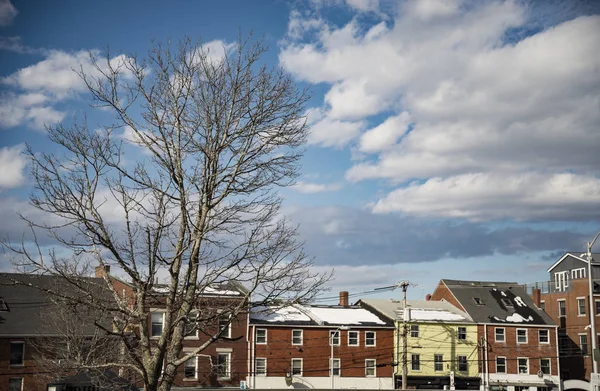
(276, 314)
(517, 318)
(520, 301)
(503, 294)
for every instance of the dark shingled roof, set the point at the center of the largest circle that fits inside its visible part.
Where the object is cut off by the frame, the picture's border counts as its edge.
(29, 309)
(503, 302)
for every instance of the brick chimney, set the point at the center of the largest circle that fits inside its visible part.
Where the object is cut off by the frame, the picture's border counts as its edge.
(102, 271)
(536, 296)
(344, 299)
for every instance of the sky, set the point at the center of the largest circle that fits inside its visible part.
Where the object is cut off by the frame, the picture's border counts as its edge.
(449, 138)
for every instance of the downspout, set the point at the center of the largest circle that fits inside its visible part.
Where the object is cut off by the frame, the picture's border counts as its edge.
(248, 338)
(487, 363)
(252, 353)
(560, 384)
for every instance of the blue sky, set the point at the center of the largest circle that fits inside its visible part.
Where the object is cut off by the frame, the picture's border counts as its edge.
(450, 139)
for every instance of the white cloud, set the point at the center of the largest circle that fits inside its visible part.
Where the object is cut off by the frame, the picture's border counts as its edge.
(364, 5)
(7, 12)
(477, 103)
(491, 196)
(329, 132)
(13, 165)
(31, 109)
(311, 188)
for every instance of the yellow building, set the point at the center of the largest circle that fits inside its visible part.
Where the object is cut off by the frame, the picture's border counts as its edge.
(441, 343)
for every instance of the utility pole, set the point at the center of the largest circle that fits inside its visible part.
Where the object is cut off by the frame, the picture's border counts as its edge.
(406, 315)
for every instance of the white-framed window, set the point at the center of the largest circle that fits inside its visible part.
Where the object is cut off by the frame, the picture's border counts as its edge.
(334, 338)
(500, 364)
(297, 337)
(461, 333)
(334, 367)
(521, 336)
(561, 280)
(190, 368)
(190, 330)
(260, 366)
(462, 363)
(562, 308)
(370, 338)
(225, 324)
(415, 362)
(296, 367)
(438, 362)
(545, 365)
(223, 365)
(583, 344)
(353, 338)
(17, 353)
(500, 334)
(478, 301)
(543, 336)
(414, 331)
(581, 306)
(578, 273)
(261, 336)
(157, 320)
(370, 368)
(15, 384)
(523, 365)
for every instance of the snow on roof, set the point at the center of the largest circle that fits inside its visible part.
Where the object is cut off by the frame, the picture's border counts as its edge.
(213, 291)
(277, 314)
(417, 314)
(346, 315)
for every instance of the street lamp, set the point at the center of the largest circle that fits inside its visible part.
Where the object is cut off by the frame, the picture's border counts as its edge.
(331, 336)
(592, 314)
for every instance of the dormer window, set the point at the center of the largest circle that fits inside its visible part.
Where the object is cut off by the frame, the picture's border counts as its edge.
(478, 301)
(507, 302)
(3, 306)
(578, 273)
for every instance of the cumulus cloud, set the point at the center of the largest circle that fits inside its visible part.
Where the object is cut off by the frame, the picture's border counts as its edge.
(452, 91)
(7, 12)
(13, 165)
(311, 188)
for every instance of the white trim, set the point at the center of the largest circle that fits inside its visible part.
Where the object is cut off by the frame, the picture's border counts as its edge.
(292, 366)
(301, 337)
(256, 366)
(558, 308)
(228, 368)
(562, 258)
(331, 366)
(374, 367)
(17, 377)
(550, 365)
(256, 337)
(224, 350)
(517, 336)
(157, 311)
(587, 350)
(374, 339)
(458, 333)
(357, 337)
(195, 377)
(505, 364)
(333, 334)
(544, 343)
(503, 334)
(579, 307)
(442, 362)
(523, 358)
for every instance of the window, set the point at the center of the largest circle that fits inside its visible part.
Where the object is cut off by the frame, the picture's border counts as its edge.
(583, 344)
(562, 309)
(578, 273)
(507, 302)
(545, 365)
(296, 367)
(461, 334)
(334, 338)
(334, 367)
(581, 306)
(17, 353)
(370, 368)
(260, 367)
(189, 368)
(3, 306)
(297, 337)
(223, 365)
(191, 325)
(261, 336)
(353, 338)
(523, 365)
(415, 362)
(414, 330)
(500, 334)
(521, 335)
(478, 301)
(225, 324)
(561, 280)
(158, 320)
(543, 305)
(438, 362)
(462, 363)
(15, 384)
(521, 388)
(597, 307)
(543, 336)
(369, 338)
(500, 364)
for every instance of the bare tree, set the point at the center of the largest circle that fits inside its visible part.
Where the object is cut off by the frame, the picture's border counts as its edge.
(218, 136)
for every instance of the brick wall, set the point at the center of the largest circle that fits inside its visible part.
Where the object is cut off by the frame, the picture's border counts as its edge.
(442, 292)
(34, 377)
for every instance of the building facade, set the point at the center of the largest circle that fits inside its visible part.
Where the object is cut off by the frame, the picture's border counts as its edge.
(320, 347)
(441, 340)
(518, 341)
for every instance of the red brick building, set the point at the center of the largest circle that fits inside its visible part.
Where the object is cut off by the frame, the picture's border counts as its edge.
(518, 340)
(566, 299)
(305, 346)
